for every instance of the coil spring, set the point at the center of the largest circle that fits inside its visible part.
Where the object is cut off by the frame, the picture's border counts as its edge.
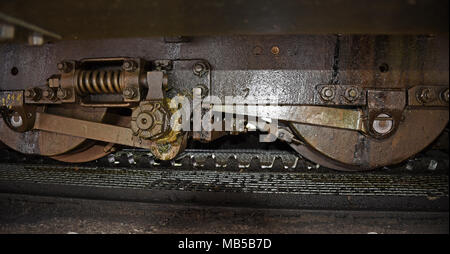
(98, 82)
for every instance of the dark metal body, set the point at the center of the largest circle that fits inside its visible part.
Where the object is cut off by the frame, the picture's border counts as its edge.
(289, 70)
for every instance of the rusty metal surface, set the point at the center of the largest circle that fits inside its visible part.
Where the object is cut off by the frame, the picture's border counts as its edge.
(81, 19)
(73, 127)
(418, 129)
(350, 119)
(282, 69)
(48, 143)
(302, 63)
(90, 152)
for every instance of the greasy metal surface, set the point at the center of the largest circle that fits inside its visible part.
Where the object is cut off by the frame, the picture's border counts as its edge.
(244, 66)
(350, 119)
(88, 129)
(81, 19)
(249, 66)
(417, 130)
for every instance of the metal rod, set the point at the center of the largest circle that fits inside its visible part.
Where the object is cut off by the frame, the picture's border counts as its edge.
(29, 26)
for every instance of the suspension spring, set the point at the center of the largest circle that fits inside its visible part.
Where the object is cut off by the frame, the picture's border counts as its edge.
(98, 81)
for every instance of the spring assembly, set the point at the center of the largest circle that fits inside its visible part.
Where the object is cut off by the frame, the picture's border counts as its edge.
(98, 81)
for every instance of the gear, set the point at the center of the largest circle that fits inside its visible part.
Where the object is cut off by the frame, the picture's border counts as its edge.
(150, 120)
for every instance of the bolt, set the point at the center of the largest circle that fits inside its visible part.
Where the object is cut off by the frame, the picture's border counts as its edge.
(49, 93)
(382, 124)
(351, 94)
(275, 50)
(199, 69)
(327, 93)
(33, 93)
(129, 93)
(64, 67)
(444, 95)
(62, 93)
(29, 93)
(203, 90)
(129, 65)
(426, 95)
(6, 32)
(35, 39)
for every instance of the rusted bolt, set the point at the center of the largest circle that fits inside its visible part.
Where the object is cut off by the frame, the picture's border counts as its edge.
(275, 50)
(64, 67)
(33, 93)
(327, 93)
(444, 95)
(129, 93)
(62, 93)
(144, 121)
(29, 93)
(129, 65)
(426, 95)
(199, 69)
(49, 93)
(351, 94)
(382, 124)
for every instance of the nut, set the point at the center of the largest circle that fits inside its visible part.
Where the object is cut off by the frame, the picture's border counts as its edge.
(62, 93)
(200, 69)
(64, 67)
(49, 94)
(33, 93)
(129, 92)
(426, 95)
(351, 93)
(327, 93)
(129, 65)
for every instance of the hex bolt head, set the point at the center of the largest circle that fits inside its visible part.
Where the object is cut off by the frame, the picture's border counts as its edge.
(199, 69)
(62, 93)
(129, 93)
(64, 67)
(29, 93)
(426, 95)
(33, 93)
(49, 93)
(351, 94)
(129, 65)
(445, 95)
(327, 93)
